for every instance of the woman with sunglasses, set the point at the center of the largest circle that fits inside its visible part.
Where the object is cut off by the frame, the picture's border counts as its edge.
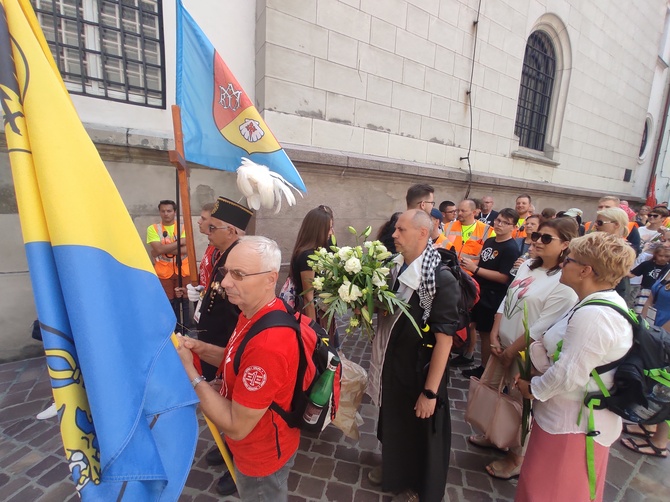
(614, 221)
(537, 286)
(315, 232)
(556, 467)
(651, 232)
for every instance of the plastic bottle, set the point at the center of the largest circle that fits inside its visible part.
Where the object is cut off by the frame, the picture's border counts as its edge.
(523, 257)
(321, 392)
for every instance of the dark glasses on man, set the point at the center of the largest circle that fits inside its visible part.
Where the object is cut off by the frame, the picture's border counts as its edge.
(543, 238)
(654, 215)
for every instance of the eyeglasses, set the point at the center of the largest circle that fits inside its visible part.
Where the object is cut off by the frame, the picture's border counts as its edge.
(238, 275)
(501, 222)
(431, 202)
(654, 216)
(212, 228)
(544, 238)
(600, 223)
(450, 211)
(567, 260)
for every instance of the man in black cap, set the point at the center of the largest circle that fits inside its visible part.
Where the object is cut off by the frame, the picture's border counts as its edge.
(215, 316)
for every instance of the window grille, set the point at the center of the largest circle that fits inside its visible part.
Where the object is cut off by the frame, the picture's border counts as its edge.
(110, 49)
(537, 82)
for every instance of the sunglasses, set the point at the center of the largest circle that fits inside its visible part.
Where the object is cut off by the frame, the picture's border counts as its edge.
(654, 216)
(543, 238)
(238, 275)
(567, 260)
(600, 223)
(212, 228)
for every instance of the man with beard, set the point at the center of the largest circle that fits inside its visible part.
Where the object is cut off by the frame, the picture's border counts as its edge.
(408, 371)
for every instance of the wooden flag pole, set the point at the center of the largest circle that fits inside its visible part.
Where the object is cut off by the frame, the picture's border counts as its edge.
(178, 159)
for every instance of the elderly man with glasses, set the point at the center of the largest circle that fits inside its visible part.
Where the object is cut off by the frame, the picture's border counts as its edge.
(263, 445)
(215, 315)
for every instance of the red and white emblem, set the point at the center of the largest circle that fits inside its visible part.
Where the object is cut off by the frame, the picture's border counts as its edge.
(254, 377)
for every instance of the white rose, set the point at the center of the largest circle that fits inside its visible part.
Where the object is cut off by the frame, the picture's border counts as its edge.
(353, 265)
(349, 292)
(344, 253)
(355, 293)
(368, 244)
(317, 283)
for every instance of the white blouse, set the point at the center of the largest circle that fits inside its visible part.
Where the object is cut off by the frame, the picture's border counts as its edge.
(596, 335)
(546, 300)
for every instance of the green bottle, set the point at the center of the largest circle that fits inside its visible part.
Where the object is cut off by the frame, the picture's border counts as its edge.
(321, 392)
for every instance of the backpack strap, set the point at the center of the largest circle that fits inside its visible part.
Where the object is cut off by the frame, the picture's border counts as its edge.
(277, 319)
(594, 401)
(273, 319)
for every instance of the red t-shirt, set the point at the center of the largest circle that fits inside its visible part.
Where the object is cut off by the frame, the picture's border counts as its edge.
(268, 369)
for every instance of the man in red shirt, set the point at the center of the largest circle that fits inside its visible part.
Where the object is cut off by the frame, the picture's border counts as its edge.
(262, 444)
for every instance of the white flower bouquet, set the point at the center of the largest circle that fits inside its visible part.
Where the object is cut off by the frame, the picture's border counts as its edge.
(356, 279)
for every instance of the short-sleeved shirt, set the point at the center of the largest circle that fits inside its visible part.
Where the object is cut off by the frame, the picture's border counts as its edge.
(500, 257)
(267, 373)
(650, 272)
(298, 266)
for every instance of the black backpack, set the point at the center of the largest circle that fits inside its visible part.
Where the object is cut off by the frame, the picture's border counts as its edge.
(641, 391)
(469, 293)
(313, 340)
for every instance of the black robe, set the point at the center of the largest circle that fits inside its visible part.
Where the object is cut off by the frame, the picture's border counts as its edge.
(415, 451)
(218, 317)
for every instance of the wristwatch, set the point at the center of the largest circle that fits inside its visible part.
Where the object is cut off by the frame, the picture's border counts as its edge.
(429, 394)
(197, 380)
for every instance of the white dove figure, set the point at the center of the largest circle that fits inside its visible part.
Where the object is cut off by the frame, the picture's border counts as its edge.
(262, 187)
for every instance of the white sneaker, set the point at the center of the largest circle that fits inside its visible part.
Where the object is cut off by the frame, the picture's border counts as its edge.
(50, 412)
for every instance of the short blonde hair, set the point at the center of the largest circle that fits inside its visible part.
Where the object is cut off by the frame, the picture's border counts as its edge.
(610, 257)
(616, 215)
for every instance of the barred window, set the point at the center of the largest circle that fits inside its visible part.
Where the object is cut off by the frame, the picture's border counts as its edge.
(110, 49)
(537, 83)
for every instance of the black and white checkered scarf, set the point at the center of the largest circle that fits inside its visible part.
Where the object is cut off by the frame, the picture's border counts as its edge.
(427, 288)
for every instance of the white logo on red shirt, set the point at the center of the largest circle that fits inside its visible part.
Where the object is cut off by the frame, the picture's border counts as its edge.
(254, 378)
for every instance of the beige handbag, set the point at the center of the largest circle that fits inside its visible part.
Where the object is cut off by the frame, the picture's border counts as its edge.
(494, 413)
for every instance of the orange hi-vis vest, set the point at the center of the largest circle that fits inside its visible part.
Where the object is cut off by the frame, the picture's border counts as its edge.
(166, 264)
(472, 247)
(520, 230)
(590, 226)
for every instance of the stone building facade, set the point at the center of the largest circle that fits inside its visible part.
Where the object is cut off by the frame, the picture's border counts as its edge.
(371, 96)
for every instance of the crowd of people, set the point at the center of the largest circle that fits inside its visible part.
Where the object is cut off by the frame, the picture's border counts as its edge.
(542, 266)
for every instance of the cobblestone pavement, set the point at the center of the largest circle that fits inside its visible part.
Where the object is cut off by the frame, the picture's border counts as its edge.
(328, 467)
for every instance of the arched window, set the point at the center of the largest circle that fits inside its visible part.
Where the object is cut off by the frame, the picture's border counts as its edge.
(537, 83)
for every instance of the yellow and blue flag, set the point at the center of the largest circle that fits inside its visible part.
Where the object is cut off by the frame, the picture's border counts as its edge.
(125, 405)
(220, 123)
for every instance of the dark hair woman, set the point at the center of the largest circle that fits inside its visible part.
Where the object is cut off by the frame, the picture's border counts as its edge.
(537, 290)
(385, 234)
(314, 233)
